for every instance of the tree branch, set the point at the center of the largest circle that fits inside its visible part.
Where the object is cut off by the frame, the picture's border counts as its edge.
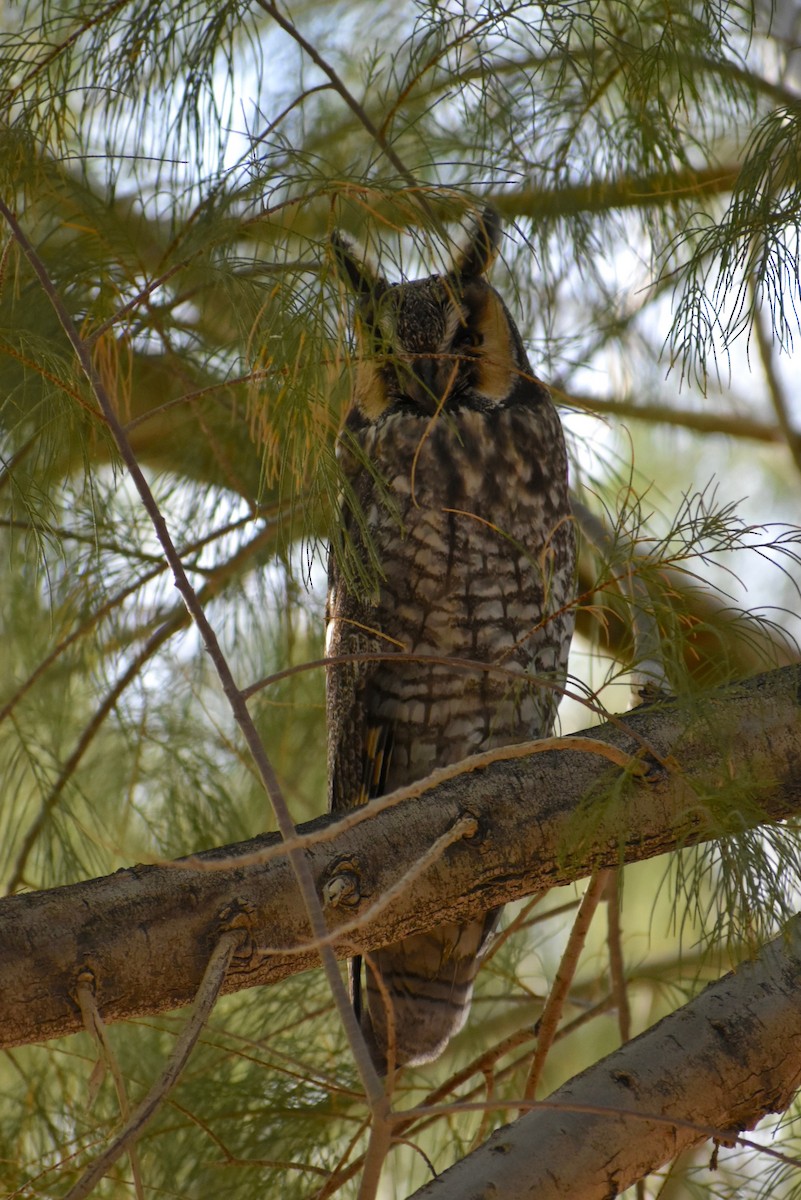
(705, 421)
(710, 1069)
(729, 761)
(353, 104)
(633, 191)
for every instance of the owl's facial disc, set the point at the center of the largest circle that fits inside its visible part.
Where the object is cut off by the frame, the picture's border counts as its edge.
(442, 342)
(420, 334)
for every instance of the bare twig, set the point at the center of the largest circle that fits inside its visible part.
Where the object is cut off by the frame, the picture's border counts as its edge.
(378, 1147)
(420, 1118)
(465, 826)
(521, 921)
(632, 763)
(207, 993)
(339, 87)
(546, 1026)
(93, 1023)
(617, 973)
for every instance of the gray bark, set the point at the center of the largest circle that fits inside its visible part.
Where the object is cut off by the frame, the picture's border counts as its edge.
(712, 1068)
(730, 761)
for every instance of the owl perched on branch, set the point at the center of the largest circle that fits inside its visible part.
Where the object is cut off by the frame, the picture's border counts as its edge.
(455, 542)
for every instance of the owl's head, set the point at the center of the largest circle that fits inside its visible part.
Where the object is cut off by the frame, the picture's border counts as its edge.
(437, 343)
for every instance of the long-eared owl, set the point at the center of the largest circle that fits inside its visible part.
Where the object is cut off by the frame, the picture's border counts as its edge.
(461, 545)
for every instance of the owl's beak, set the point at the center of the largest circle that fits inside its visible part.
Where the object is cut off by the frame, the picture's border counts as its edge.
(422, 385)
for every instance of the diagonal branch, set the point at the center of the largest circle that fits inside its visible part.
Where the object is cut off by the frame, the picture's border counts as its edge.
(776, 389)
(710, 1069)
(236, 700)
(339, 87)
(175, 620)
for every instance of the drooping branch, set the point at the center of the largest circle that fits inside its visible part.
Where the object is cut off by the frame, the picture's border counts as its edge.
(726, 762)
(712, 1068)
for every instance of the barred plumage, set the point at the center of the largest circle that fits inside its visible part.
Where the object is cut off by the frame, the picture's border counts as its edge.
(457, 475)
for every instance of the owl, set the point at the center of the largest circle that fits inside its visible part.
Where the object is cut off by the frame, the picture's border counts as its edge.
(455, 542)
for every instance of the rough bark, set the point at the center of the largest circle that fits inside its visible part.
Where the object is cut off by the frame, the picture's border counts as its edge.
(714, 1067)
(730, 761)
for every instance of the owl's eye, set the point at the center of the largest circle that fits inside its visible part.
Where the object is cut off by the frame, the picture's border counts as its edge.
(468, 339)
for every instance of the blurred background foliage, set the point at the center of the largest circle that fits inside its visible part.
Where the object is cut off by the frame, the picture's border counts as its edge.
(179, 166)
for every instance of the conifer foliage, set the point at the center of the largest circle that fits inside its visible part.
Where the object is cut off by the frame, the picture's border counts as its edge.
(174, 366)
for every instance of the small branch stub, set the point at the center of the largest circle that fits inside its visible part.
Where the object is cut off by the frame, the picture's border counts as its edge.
(343, 888)
(469, 828)
(240, 917)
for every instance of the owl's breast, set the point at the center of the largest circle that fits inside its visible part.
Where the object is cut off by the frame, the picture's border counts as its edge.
(468, 516)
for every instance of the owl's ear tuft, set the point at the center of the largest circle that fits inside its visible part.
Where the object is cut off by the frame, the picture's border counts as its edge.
(353, 270)
(481, 249)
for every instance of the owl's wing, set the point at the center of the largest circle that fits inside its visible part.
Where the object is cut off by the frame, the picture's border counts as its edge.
(359, 747)
(359, 751)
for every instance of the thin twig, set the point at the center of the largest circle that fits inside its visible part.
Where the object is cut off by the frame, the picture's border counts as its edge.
(367, 812)
(93, 1024)
(420, 1119)
(216, 577)
(378, 1147)
(176, 620)
(339, 87)
(343, 1171)
(464, 826)
(776, 390)
(53, 51)
(254, 376)
(52, 798)
(731, 1136)
(546, 1026)
(207, 993)
(521, 921)
(614, 939)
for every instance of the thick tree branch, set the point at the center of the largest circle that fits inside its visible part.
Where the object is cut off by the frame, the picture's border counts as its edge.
(728, 761)
(712, 1068)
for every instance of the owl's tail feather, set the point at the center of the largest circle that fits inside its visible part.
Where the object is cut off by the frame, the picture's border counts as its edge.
(419, 991)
